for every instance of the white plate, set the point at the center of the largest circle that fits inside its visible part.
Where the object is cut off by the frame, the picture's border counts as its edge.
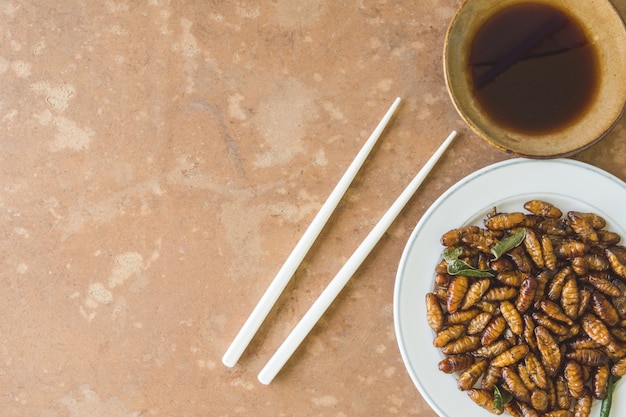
(569, 184)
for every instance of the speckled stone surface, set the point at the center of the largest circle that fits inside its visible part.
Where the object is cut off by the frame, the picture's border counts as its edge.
(159, 161)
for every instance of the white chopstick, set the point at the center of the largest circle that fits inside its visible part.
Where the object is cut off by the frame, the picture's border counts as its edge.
(302, 329)
(267, 301)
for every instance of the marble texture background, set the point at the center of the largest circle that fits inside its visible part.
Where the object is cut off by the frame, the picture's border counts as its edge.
(160, 159)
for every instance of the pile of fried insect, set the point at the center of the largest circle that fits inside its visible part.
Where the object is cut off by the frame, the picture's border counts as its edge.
(530, 311)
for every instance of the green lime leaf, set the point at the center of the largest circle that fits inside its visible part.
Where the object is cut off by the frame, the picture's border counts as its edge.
(508, 243)
(500, 398)
(605, 409)
(452, 254)
(476, 273)
(460, 267)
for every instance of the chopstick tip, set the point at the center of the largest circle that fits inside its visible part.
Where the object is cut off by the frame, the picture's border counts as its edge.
(395, 104)
(264, 378)
(228, 361)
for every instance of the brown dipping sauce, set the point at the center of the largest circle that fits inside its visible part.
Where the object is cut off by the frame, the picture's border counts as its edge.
(533, 68)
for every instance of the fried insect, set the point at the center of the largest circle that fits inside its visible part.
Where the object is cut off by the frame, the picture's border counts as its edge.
(475, 292)
(500, 293)
(503, 221)
(488, 306)
(570, 297)
(603, 284)
(600, 381)
(608, 238)
(542, 283)
(434, 312)
(548, 347)
(511, 356)
(574, 378)
(512, 317)
(463, 344)
(524, 374)
(597, 262)
(615, 350)
(480, 241)
(591, 357)
(618, 333)
(540, 400)
(533, 247)
(441, 293)
(573, 331)
(551, 391)
(462, 316)
(555, 227)
(596, 221)
(620, 302)
(536, 370)
(555, 286)
(571, 249)
(557, 328)
(596, 329)
(502, 264)
(456, 292)
(511, 278)
(455, 363)
(521, 259)
(442, 280)
(453, 237)
(547, 249)
(526, 293)
(484, 398)
(470, 376)
(543, 209)
(603, 308)
(553, 310)
(493, 330)
(582, 407)
(448, 335)
(619, 369)
(585, 301)
(531, 220)
(579, 265)
(527, 410)
(515, 384)
(478, 323)
(582, 227)
(558, 413)
(617, 258)
(563, 397)
(509, 336)
(513, 409)
(583, 342)
(492, 350)
(492, 376)
(483, 261)
(528, 335)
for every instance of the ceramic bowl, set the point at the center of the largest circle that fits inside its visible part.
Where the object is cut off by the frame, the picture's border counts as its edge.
(605, 30)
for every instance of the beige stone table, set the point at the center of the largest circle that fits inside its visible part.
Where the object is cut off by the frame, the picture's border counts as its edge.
(160, 159)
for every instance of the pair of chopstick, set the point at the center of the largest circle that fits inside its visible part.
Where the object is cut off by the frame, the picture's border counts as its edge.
(271, 295)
